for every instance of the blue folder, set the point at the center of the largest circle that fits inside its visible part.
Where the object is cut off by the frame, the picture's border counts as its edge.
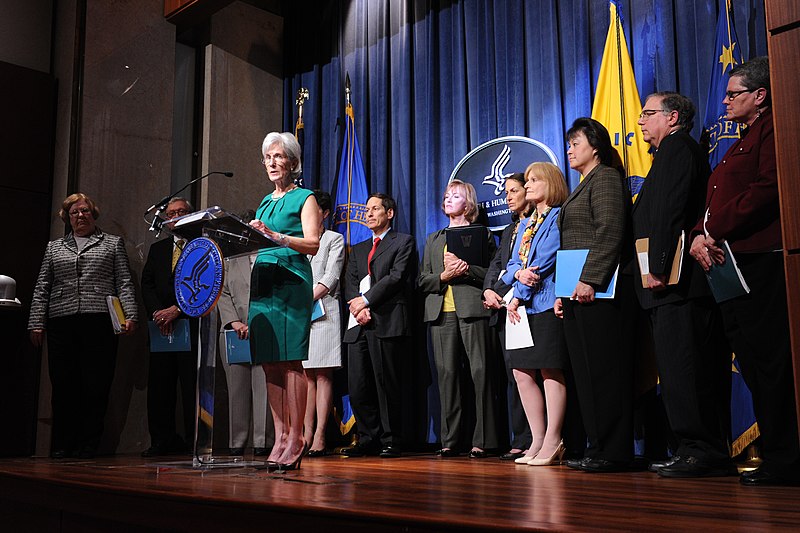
(318, 311)
(569, 265)
(238, 350)
(178, 341)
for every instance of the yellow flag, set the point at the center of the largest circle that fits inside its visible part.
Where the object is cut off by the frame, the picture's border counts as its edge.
(617, 104)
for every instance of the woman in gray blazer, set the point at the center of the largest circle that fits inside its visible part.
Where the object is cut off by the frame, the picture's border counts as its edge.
(69, 304)
(459, 324)
(595, 217)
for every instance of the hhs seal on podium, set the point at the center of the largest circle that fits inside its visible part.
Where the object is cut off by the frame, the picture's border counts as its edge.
(198, 277)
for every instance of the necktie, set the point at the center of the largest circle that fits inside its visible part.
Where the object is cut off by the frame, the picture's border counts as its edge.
(371, 253)
(176, 252)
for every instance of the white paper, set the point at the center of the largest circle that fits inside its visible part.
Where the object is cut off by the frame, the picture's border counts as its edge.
(517, 335)
(363, 286)
(644, 263)
(187, 219)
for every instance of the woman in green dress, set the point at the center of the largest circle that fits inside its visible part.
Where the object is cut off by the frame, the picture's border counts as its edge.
(281, 294)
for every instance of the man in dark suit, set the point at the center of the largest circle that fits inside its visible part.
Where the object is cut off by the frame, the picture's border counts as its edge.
(168, 368)
(690, 351)
(378, 288)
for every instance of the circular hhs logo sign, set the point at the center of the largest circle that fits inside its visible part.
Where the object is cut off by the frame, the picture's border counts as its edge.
(487, 166)
(198, 277)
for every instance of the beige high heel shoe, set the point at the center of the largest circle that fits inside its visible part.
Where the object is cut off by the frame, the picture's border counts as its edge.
(525, 459)
(553, 459)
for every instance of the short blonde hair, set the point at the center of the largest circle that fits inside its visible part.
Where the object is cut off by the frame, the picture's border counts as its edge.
(557, 191)
(471, 211)
(73, 199)
(288, 144)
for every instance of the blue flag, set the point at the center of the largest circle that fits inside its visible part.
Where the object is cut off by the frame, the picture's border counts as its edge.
(350, 218)
(350, 212)
(727, 54)
(744, 428)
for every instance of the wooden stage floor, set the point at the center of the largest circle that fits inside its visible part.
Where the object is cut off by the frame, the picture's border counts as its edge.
(419, 492)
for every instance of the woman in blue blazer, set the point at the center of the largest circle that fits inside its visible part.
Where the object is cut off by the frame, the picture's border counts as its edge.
(531, 270)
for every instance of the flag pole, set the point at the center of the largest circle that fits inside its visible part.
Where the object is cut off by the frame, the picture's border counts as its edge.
(623, 136)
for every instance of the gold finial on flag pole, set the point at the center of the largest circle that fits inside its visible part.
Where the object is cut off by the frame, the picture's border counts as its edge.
(302, 96)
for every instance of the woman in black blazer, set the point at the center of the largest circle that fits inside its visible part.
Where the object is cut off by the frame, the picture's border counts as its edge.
(599, 331)
(494, 288)
(459, 324)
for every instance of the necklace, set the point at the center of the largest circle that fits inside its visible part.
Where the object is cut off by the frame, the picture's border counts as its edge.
(277, 196)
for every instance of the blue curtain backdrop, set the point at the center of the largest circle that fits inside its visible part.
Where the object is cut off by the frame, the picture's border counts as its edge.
(432, 80)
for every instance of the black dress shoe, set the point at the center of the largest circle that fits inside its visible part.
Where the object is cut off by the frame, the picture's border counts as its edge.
(59, 454)
(691, 467)
(87, 452)
(655, 465)
(478, 454)
(765, 478)
(511, 456)
(154, 451)
(359, 450)
(260, 451)
(317, 453)
(576, 464)
(447, 452)
(595, 465)
(390, 452)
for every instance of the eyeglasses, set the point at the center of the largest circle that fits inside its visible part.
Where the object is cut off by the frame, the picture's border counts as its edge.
(731, 95)
(278, 158)
(85, 211)
(177, 213)
(647, 113)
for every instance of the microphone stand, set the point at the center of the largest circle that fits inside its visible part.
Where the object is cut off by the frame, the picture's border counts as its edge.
(155, 224)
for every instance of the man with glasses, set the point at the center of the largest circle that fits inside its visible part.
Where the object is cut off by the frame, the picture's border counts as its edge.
(168, 368)
(685, 320)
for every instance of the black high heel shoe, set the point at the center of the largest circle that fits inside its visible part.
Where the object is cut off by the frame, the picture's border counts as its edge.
(292, 466)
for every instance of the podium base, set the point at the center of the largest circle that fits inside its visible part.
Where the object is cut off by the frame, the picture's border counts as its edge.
(206, 462)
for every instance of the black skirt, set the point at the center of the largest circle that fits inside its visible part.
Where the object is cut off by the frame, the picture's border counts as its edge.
(549, 348)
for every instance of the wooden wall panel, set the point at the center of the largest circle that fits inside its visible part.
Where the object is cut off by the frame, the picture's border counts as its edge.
(792, 266)
(783, 42)
(782, 13)
(784, 65)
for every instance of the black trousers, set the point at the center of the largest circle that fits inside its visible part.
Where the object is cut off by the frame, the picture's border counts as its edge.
(82, 357)
(757, 327)
(373, 379)
(693, 362)
(167, 369)
(599, 340)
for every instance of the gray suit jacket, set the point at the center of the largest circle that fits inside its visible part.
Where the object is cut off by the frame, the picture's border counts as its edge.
(467, 290)
(595, 218)
(234, 302)
(70, 283)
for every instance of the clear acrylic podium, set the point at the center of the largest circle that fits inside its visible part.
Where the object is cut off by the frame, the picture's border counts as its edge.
(234, 238)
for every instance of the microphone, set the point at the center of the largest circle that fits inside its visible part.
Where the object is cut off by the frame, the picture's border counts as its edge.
(161, 204)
